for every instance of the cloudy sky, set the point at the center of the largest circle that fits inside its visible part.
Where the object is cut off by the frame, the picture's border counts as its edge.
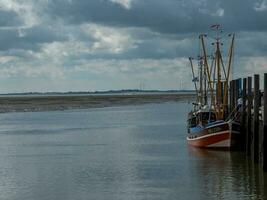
(88, 45)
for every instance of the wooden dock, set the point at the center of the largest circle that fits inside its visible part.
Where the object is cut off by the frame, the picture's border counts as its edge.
(253, 140)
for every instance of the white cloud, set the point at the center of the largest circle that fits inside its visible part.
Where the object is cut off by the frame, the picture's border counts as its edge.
(217, 13)
(212, 8)
(101, 74)
(6, 59)
(110, 40)
(28, 71)
(99, 56)
(125, 3)
(260, 6)
(59, 51)
(26, 10)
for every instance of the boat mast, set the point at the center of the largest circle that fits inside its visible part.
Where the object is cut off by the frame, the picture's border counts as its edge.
(205, 89)
(207, 70)
(226, 85)
(201, 84)
(220, 88)
(194, 77)
(219, 82)
(214, 79)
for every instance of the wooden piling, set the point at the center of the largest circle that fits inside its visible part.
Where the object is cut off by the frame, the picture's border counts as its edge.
(265, 124)
(234, 93)
(238, 89)
(248, 117)
(243, 114)
(257, 98)
(231, 97)
(253, 122)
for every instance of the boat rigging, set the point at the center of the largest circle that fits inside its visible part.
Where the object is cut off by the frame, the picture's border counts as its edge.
(208, 123)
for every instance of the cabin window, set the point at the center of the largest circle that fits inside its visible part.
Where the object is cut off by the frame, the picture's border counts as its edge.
(212, 117)
(208, 117)
(204, 118)
(193, 122)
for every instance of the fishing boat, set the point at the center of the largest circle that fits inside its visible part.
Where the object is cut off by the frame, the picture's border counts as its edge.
(212, 123)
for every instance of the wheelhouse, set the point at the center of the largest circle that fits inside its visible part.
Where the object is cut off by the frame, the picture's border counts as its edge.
(201, 119)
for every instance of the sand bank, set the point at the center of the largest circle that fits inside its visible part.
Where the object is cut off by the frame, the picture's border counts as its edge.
(47, 103)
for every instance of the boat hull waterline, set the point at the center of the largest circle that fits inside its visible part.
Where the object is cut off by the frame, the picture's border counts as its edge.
(221, 135)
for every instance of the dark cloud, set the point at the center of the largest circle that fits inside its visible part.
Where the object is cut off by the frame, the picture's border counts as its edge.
(169, 21)
(241, 16)
(28, 38)
(102, 37)
(251, 44)
(9, 18)
(169, 16)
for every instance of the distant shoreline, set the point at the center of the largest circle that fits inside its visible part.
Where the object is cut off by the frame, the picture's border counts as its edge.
(109, 92)
(38, 103)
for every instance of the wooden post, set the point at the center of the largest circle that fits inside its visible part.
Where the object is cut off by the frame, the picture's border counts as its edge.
(237, 96)
(238, 89)
(231, 97)
(243, 114)
(257, 98)
(265, 124)
(248, 125)
(234, 93)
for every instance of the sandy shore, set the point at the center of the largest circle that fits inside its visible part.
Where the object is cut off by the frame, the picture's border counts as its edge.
(45, 103)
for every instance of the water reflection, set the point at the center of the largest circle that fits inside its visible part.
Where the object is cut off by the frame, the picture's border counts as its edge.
(228, 175)
(139, 154)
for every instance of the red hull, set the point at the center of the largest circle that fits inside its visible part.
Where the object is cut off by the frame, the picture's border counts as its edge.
(221, 140)
(219, 135)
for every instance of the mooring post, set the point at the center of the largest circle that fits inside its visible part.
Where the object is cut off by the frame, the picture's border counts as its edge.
(234, 93)
(248, 125)
(238, 88)
(257, 98)
(237, 96)
(231, 97)
(265, 124)
(243, 114)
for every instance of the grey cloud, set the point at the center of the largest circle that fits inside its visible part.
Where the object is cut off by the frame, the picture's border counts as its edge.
(9, 18)
(251, 44)
(164, 16)
(168, 22)
(28, 38)
(169, 16)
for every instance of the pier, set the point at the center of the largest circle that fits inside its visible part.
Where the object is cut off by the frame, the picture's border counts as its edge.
(253, 140)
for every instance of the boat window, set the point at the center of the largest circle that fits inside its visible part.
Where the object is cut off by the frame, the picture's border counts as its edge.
(193, 122)
(208, 117)
(204, 118)
(212, 117)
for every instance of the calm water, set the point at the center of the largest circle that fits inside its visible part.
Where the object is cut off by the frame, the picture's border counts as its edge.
(120, 153)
